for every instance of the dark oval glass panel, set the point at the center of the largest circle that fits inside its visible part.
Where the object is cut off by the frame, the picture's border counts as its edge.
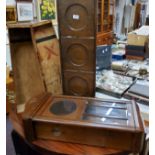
(63, 107)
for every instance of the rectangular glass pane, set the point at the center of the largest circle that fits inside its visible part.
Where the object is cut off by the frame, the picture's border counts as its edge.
(109, 104)
(108, 121)
(100, 111)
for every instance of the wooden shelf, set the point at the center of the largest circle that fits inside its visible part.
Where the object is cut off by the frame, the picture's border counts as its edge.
(104, 22)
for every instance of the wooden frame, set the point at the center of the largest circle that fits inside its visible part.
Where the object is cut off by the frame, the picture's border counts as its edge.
(25, 11)
(46, 10)
(11, 16)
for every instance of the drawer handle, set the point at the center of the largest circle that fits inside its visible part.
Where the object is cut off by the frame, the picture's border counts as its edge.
(56, 132)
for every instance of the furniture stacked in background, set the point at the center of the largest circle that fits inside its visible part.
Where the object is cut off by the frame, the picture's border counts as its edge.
(115, 74)
(137, 44)
(105, 11)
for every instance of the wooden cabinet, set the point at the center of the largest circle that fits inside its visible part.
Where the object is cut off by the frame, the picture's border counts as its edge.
(107, 123)
(35, 59)
(77, 29)
(105, 10)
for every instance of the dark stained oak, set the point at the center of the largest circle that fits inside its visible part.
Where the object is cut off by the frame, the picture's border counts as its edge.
(77, 30)
(62, 147)
(84, 120)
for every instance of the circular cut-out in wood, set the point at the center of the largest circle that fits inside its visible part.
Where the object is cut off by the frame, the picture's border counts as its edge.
(64, 107)
(78, 86)
(76, 17)
(77, 54)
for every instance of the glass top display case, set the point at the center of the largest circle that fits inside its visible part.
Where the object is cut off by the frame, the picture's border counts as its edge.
(84, 120)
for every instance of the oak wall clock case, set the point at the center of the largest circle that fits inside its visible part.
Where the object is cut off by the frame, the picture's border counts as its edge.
(108, 123)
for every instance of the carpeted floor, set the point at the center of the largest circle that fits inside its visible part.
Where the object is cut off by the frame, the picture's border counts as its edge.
(9, 144)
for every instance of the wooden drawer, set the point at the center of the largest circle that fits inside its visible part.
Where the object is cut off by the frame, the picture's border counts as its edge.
(78, 54)
(79, 83)
(84, 135)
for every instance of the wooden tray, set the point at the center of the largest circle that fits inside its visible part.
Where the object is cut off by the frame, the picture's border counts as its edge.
(114, 93)
(97, 122)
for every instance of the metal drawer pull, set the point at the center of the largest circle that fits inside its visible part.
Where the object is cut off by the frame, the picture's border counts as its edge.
(56, 131)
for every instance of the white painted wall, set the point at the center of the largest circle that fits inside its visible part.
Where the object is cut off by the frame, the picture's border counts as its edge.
(10, 2)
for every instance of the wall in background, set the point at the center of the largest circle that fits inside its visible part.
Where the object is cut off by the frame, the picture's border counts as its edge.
(8, 57)
(10, 2)
(125, 16)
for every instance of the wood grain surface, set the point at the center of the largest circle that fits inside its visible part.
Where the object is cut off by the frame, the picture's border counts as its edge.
(27, 77)
(83, 127)
(47, 47)
(63, 147)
